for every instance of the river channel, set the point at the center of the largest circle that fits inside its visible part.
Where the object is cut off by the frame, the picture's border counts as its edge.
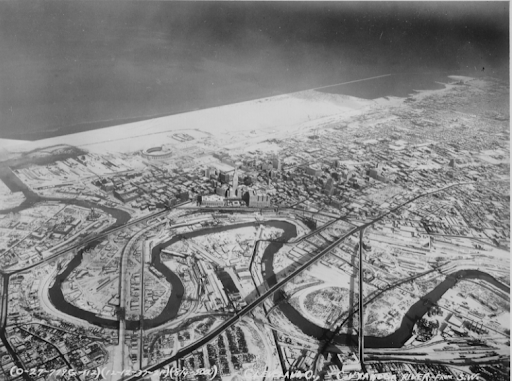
(170, 311)
(398, 338)
(173, 304)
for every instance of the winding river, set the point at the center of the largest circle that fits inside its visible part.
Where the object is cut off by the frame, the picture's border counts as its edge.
(170, 311)
(398, 338)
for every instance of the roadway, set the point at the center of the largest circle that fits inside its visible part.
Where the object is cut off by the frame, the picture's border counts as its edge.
(244, 311)
(299, 240)
(247, 309)
(85, 242)
(276, 208)
(142, 301)
(6, 275)
(106, 232)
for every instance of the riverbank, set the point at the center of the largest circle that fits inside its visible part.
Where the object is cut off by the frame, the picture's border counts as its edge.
(170, 311)
(172, 307)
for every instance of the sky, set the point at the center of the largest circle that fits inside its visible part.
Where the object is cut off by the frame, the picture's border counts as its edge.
(70, 66)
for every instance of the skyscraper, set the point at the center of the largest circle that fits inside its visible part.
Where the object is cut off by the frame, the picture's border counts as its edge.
(276, 163)
(329, 186)
(225, 177)
(235, 180)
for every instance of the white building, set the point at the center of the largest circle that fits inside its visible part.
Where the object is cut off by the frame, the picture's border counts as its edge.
(212, 200)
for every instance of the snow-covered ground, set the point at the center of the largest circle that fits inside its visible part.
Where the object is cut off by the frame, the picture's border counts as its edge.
(284, 113)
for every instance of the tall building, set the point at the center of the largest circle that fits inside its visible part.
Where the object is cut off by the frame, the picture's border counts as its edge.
(235, 180)
(276, 163)
(329, 186)
(210, 171)
(225, 177)
(258, 200)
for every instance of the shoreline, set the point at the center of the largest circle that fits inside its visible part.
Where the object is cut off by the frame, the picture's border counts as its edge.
(270, 112)
(285, 112)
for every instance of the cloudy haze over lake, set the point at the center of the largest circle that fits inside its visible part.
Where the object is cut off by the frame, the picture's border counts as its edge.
(73, 66)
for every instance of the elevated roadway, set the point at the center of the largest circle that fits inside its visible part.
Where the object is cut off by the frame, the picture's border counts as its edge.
(251, 306)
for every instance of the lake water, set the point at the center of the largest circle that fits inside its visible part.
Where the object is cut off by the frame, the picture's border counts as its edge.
(88, 65)
(396, 85)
